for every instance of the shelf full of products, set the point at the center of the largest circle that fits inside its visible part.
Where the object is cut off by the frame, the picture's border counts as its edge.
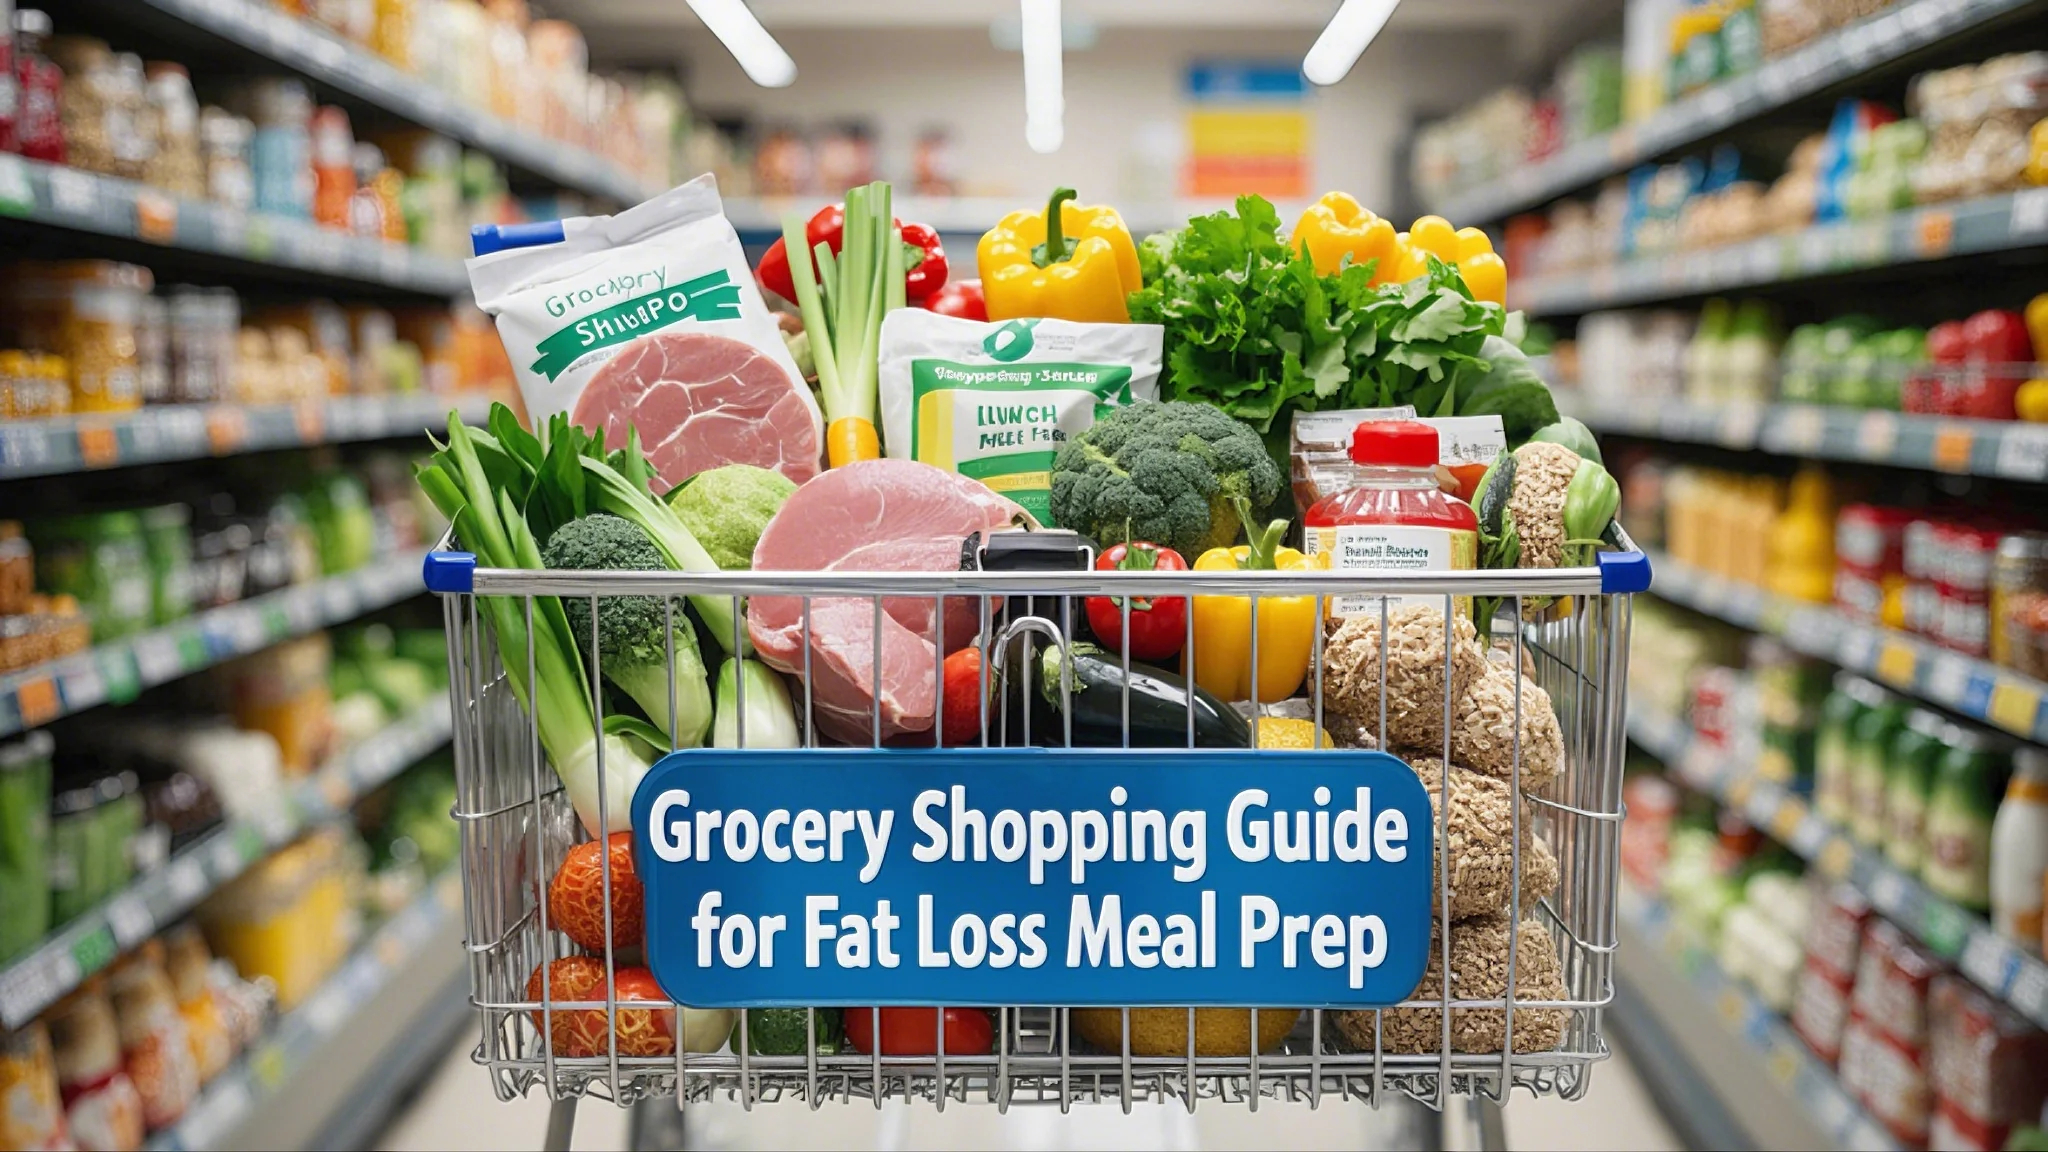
(326, 56)
(161, 433)
(2003, 449)
(1989, 224)
(164, 895)
(1998, 965)
(1973, 687)
(391, 954)
(1455, 173)
(1763, 1034)
(69, 197)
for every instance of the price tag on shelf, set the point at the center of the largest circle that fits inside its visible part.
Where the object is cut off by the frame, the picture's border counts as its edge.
(1783, 1066)
(1888, 891)
(1896, 663)
(1934, 233)
(225, 856)
(129, 917)
(157, 658)
(2015, 706)
(17, 198)
(2029, 213)
(1989, 961)
(1810, 837)
(1787, 819)
(1762, 260)
(1799, 429)
(74, 193)
(186, 881)
(1948, 679)
(394, 264)
(82, 683)
(1813, 250)
(227, 428)
(1944, 926)
(1877, 435)
(37, 700)
(1732, 1008)
(1952, 444)
(26, 989)
(309, 419)
(156, 216)
(216, 1113)
(1738, 425)
(2023, 449)
(2030, 991)
(99, 445)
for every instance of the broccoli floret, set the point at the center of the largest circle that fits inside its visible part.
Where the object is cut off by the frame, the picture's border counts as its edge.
(1168, 471)
(632, 651)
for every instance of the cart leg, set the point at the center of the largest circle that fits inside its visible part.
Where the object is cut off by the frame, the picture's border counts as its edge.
(1490, 1123)
(561, 1124)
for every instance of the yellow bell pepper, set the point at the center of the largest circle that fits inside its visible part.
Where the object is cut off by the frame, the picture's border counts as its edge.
(2030, 403)
(1069, 262)
(2037, 327)
(2037, 153)
(1485, 273)
(1223, 624)
(1338, 226)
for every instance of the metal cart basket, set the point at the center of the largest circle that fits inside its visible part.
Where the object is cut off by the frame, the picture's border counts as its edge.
(1566, 629)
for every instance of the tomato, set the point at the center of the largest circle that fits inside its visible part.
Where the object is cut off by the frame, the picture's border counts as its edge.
(576, 895)
(581, 1031)
(962, 718)
(1159, 626)
(960, 298)
(914, 1031)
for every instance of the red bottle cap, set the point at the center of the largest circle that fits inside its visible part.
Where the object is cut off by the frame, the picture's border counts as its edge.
(1394, 444)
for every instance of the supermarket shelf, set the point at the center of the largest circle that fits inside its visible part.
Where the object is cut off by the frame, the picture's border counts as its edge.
(1957, 934)
(1760, 1034)
(72, 198)
(323, 57)
(387, 958)
(1975, 688)
(167, 432)
(156, 900)
(116, 672)
(2005, 449)
(1830, 60)
(1966, 227)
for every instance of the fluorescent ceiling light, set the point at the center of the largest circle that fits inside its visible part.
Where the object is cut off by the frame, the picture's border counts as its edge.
(1345, 39)
(759, 56)
(1045, 100)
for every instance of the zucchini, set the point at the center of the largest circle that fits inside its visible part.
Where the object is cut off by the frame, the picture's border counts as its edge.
(1159, 705)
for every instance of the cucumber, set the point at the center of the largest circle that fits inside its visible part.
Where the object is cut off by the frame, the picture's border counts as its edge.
(1159, 706)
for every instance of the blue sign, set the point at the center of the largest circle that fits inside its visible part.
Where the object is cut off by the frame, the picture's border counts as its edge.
(1034, 876)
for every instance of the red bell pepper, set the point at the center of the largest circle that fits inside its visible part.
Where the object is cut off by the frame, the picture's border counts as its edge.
(1159, 626)
(1995, 336)
(960, 298)
(915, 1031)
(924, 258)
(1946, 343)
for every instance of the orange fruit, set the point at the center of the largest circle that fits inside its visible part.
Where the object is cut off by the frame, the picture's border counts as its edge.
(580, 1032)
(576, 895)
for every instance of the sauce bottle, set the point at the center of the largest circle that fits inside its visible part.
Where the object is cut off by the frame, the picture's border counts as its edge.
(2019, 851)
(1959, 815)
(1396, 518)
(38, 128)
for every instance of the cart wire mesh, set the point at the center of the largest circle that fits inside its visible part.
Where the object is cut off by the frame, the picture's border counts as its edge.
(1566, 630)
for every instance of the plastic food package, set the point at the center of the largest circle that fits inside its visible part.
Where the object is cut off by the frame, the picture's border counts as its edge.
(1985, 1062)
(1978, 116)
(24, 842)
(155, 1048)
(33, 1111)
(175, 165)
(102, 1108)
(1889, 1077)
(224, 145)
(289, 918)
(284, 691)
(1892, 978)
(1820, 1009)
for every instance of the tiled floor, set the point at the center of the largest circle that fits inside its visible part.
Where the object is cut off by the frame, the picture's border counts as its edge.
(458, 1111)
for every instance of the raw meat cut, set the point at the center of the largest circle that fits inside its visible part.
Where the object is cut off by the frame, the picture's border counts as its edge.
(700, 401)
(873, 516)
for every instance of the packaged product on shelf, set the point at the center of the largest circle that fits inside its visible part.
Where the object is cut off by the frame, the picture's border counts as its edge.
(153, 350)
(1967, 785)
(1834, 940)
(176, 165)
(957, 394)
(290, 917)
(24, 842)
(597, 342)
(156, 1049)
(284, 691)
(224, 141)
(432, 332)
(1834, 747)
(1646, 836)
(1870, 743)
(101, 1107)
(1984, 1061)
(1889, 1077)
(98, 111)
(2018, 604)
(1911, 766)
(1978, 116)
(167, 537)
(1892, 975)
(332, 152)
(1392, 514)
(17, 569)
(37, 131)
(280, 147)
(1870, 556)
(203, 324)
(34, 1115)
(2019, 851)
(1760, 936)
(374, 209)
(101, 558)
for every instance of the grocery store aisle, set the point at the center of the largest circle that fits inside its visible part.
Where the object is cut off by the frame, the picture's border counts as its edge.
(456, 1110)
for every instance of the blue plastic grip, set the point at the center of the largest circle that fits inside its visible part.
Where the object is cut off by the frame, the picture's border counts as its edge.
(449, 571)
(1620, 572)
(485, 239)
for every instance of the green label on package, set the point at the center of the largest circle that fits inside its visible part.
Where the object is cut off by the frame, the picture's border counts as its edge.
(1002, 423)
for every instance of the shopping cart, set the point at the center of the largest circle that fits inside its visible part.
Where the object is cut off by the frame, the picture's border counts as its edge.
(1566, 629)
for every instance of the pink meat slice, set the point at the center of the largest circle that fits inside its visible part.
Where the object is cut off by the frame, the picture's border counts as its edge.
(699, 401)
(873, 516)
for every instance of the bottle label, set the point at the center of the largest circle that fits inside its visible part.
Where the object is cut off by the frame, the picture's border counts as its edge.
(1401, 548)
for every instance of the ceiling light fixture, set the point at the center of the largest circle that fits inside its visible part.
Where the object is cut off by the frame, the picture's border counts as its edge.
(1345, 39)
(736, 27)
(1045, 100)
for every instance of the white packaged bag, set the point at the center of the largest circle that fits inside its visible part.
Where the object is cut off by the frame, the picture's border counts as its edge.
(651, 319)
(994, 400)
